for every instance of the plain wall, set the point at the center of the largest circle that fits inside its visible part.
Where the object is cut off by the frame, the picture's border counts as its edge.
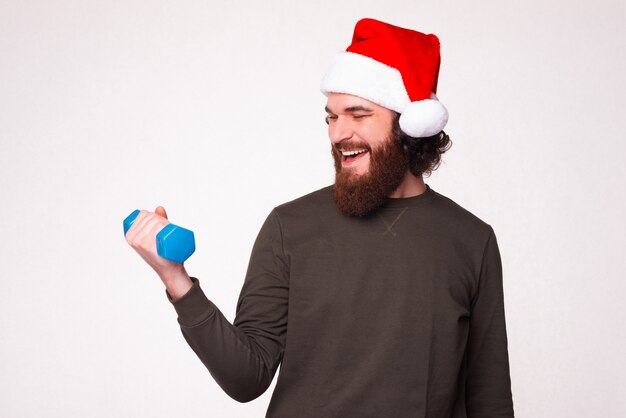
(213, 109)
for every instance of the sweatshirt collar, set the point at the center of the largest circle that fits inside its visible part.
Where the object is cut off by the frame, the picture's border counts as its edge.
(403, 202)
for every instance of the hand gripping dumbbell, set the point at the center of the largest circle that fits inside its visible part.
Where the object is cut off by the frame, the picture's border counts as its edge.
(173, 242)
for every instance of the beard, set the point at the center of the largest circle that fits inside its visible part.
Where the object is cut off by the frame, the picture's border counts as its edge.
(359, 194)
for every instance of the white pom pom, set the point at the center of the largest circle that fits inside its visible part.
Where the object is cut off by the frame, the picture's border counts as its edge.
(423, 118)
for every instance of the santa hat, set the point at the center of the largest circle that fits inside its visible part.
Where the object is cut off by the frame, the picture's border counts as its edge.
(395, 68)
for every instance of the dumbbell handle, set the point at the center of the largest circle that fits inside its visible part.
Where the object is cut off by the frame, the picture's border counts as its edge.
(173, 242)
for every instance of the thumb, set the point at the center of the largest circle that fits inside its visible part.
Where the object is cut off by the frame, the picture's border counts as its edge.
(160, 210)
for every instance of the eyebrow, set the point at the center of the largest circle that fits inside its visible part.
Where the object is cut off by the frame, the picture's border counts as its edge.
(351, 109)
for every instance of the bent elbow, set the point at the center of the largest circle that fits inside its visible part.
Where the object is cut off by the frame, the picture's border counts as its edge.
(245, 397)
(244, 393)
(244, 386)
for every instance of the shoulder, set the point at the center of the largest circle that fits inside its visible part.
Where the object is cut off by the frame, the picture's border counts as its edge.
(462, 220)
(320, 199)
(307, 215)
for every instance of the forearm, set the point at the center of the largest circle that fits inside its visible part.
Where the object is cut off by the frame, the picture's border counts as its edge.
(488, 387)
(242, 357)
(238, 364)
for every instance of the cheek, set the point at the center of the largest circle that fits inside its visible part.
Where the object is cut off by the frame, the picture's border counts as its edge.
(375, 134)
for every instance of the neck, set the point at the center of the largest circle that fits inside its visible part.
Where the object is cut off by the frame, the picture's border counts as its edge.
(410, 186)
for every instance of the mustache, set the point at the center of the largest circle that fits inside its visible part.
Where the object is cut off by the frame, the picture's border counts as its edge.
(351, 146)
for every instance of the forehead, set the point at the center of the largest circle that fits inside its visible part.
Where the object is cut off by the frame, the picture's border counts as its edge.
(342, 102)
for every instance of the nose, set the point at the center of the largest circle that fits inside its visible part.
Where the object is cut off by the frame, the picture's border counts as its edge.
(340, 130)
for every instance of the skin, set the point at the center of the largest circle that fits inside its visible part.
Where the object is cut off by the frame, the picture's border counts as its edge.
(353, 123)
(142, 238)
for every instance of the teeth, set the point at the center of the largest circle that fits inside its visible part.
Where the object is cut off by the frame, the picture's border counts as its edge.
(347, 153)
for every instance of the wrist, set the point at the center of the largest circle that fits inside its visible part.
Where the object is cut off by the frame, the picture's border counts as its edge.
(177, 282)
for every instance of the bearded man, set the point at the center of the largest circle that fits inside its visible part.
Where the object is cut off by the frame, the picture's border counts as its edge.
(378, 296)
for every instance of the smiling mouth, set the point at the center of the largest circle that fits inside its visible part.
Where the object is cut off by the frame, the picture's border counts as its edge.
(349, 157)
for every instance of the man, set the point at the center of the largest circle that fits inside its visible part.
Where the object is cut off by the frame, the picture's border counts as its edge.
(378, 296)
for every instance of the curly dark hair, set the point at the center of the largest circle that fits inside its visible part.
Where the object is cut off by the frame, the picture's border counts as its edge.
(424, 154)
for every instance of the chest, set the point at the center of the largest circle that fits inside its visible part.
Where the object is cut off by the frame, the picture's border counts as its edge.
(392, 269)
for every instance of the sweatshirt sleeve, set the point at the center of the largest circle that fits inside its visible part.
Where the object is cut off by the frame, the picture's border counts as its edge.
(488, 384)
(243, 357)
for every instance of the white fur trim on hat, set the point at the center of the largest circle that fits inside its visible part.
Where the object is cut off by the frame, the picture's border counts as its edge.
(424, 118)
(372, 80)
(367, 78)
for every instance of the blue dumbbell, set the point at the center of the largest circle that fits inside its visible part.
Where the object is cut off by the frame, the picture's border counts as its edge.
(173, 242)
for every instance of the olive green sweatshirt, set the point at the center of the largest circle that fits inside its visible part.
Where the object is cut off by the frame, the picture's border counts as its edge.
(396, 314)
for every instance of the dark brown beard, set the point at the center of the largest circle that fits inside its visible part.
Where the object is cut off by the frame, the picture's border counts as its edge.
(357, 195)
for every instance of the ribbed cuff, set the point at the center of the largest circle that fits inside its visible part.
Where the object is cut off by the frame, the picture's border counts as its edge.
(193, 307)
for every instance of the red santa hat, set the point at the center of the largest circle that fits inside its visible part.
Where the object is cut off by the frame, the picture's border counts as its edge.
(396, 68)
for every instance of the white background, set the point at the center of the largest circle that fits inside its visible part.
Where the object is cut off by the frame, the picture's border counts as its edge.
(212, 109)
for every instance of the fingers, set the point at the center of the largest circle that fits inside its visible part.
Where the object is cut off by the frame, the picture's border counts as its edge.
(160, 210)
(150, 225)
(132, 231)
(141, 236)
(146, 223)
